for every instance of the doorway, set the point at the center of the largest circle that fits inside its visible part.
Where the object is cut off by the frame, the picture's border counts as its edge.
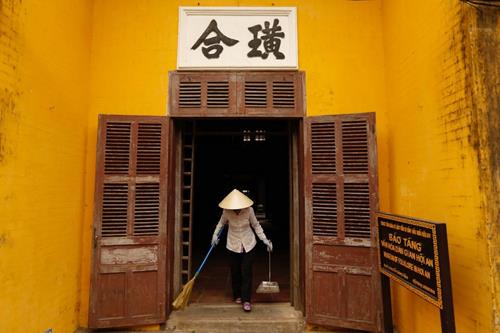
(145, 176)
(255, 157)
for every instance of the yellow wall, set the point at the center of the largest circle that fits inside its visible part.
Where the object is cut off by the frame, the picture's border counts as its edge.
(44, 64)
(135, 44)
(433, 149)
(402, 60)
(411, 62)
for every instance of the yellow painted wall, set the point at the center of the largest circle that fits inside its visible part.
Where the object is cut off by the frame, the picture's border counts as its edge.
(434, 170)
(64, 62)
(135, 45)
(44, 65)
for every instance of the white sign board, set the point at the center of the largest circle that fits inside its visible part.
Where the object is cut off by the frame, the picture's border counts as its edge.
(237, 38)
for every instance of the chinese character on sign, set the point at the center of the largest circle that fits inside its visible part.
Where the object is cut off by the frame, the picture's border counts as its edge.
(271, 36)
(214, 48)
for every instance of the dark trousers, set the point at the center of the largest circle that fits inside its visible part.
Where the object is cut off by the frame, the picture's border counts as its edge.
(241, 274)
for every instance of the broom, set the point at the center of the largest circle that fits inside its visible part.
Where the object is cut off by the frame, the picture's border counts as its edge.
(182, 300)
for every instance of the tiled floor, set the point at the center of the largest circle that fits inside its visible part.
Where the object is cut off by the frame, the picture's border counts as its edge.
(213, 285)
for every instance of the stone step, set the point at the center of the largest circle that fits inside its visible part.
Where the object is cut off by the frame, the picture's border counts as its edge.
(230, 318)
(225, 318)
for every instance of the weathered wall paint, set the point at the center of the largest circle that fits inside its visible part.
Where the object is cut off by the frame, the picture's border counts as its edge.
(441, 118)
(481, 26)
(134, 46)
(44, 64)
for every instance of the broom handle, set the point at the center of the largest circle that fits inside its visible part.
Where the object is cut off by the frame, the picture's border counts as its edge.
(269, 265)
(208, 254)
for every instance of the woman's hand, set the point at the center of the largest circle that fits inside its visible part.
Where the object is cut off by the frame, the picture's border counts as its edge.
(268, 244)
(215, 240)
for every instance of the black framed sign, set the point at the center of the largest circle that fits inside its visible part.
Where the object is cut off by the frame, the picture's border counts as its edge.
(414, 253)
(408, 253)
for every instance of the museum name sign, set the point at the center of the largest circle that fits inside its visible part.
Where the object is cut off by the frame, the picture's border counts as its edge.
(237, 38)
(414, 253)
(409, 254)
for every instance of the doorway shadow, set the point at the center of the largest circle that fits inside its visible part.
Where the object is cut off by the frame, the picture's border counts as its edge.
(253, 156)
(213, 285)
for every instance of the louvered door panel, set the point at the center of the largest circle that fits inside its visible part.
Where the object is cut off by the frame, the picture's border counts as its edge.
(129, 265)
(218, 94)
(355, 146)
(148, 149)
(202, 94)
(256, 94)
(270, 93)
(147, 209)
(117, 149)
(323, 151)
(189, 95)
(341, 201)
(284, 93)
(114, 217)
(357, 210)
(324, 209)
(355, 167)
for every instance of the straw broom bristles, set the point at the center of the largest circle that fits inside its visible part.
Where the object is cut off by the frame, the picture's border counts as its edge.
(182, 300)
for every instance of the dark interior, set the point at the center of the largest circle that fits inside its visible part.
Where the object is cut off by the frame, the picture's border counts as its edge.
(252, 156)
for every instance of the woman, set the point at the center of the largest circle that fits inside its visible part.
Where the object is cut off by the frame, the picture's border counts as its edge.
(239, 215)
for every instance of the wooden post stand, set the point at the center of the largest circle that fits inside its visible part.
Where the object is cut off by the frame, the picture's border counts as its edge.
(386, 303)
(447, 312)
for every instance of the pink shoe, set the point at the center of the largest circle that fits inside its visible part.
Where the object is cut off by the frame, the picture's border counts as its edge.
(238, 300)
(247, 306)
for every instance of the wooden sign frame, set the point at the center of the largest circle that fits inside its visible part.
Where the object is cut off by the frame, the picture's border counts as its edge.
(231, 30)
(413, 239)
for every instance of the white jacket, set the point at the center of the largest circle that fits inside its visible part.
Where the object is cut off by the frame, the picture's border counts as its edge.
(240, 236)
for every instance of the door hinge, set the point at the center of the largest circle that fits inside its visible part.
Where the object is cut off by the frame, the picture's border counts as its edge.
(95, 237)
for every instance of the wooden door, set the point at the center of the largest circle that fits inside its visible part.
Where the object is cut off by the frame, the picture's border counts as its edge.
(128, 284)
(342, 280)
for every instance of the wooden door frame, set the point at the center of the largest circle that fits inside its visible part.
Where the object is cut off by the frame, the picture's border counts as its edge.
(297, 283)
(295, 226)
(171, 232)
(176, 171)
(270, 111)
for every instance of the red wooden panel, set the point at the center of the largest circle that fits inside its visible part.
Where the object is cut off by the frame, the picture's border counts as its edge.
(360, 308)
(326, 298)
(143, 298)
(112, 296)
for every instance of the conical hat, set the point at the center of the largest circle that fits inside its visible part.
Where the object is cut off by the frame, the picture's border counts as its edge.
(235, 200)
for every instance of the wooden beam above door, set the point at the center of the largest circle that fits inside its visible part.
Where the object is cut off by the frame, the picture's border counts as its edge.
(237, 94)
